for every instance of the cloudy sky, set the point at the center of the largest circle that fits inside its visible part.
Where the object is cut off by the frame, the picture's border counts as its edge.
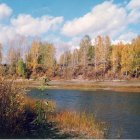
(65, 22)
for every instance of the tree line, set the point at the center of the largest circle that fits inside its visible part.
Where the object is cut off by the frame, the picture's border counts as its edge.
(103, 60)
(98, 62)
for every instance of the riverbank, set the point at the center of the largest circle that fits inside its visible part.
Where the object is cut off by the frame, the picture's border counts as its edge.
(115, 85)
(24, 117)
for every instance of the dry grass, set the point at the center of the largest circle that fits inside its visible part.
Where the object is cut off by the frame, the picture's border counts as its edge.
(85, 126)
(123, 86)
(18, 112)
(47, 105)
(11, 107)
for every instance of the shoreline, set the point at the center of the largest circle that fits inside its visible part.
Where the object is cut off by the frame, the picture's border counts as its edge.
(120, 86)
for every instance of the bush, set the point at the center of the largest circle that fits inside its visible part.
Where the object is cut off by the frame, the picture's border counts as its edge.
(11, 108)
(20, 116)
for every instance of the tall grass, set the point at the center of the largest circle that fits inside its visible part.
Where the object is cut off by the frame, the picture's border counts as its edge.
(83, 125)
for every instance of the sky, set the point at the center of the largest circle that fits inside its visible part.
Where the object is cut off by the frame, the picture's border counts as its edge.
(65, 22)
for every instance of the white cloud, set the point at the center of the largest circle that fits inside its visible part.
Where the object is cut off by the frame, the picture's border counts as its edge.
(125, 37)
(5, 11)
(134, 4)
(106, 18)
(7, 33)
(134, 16)
(128, 36)
(134, 11)
(103, 19)
(28, 26)
(62, 46)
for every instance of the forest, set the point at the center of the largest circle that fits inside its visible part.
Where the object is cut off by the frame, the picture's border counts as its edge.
(99, 61)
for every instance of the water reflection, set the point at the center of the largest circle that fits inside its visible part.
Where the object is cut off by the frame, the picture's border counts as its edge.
(120, 110)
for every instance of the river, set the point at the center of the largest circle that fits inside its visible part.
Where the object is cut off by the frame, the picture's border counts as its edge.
(119, 110)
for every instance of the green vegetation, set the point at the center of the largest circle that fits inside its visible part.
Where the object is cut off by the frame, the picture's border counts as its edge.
(21, 68)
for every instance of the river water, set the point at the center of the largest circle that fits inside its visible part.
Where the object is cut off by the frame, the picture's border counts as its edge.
(119, 110)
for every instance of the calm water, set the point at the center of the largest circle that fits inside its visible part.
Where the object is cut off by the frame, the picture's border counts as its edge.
(121, 111)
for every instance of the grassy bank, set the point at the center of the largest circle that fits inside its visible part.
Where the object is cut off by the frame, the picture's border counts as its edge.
(22, 117)
(80, 124)
(122, 86)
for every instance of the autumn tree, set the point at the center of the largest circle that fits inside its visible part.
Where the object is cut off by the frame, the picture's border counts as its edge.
(11, 56)
(75, 58)
(94, 61)
(116, 57)
(14, 53)
(67, 61)
(102, 53)
(11, 59)
(90, 54)
(136, 56)
(126, 59)
(62, 59)
(34, 54)
(46, 55)
(21, 68)
(98, 52)
(83, 52)
(106, 52)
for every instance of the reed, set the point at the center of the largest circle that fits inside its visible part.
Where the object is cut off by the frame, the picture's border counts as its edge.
(82, 124)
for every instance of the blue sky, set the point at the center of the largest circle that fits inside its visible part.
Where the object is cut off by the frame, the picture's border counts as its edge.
(69, 9)
(65, 22)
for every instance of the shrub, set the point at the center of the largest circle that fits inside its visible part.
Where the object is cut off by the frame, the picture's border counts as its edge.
(20, 116)
(11, 108)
